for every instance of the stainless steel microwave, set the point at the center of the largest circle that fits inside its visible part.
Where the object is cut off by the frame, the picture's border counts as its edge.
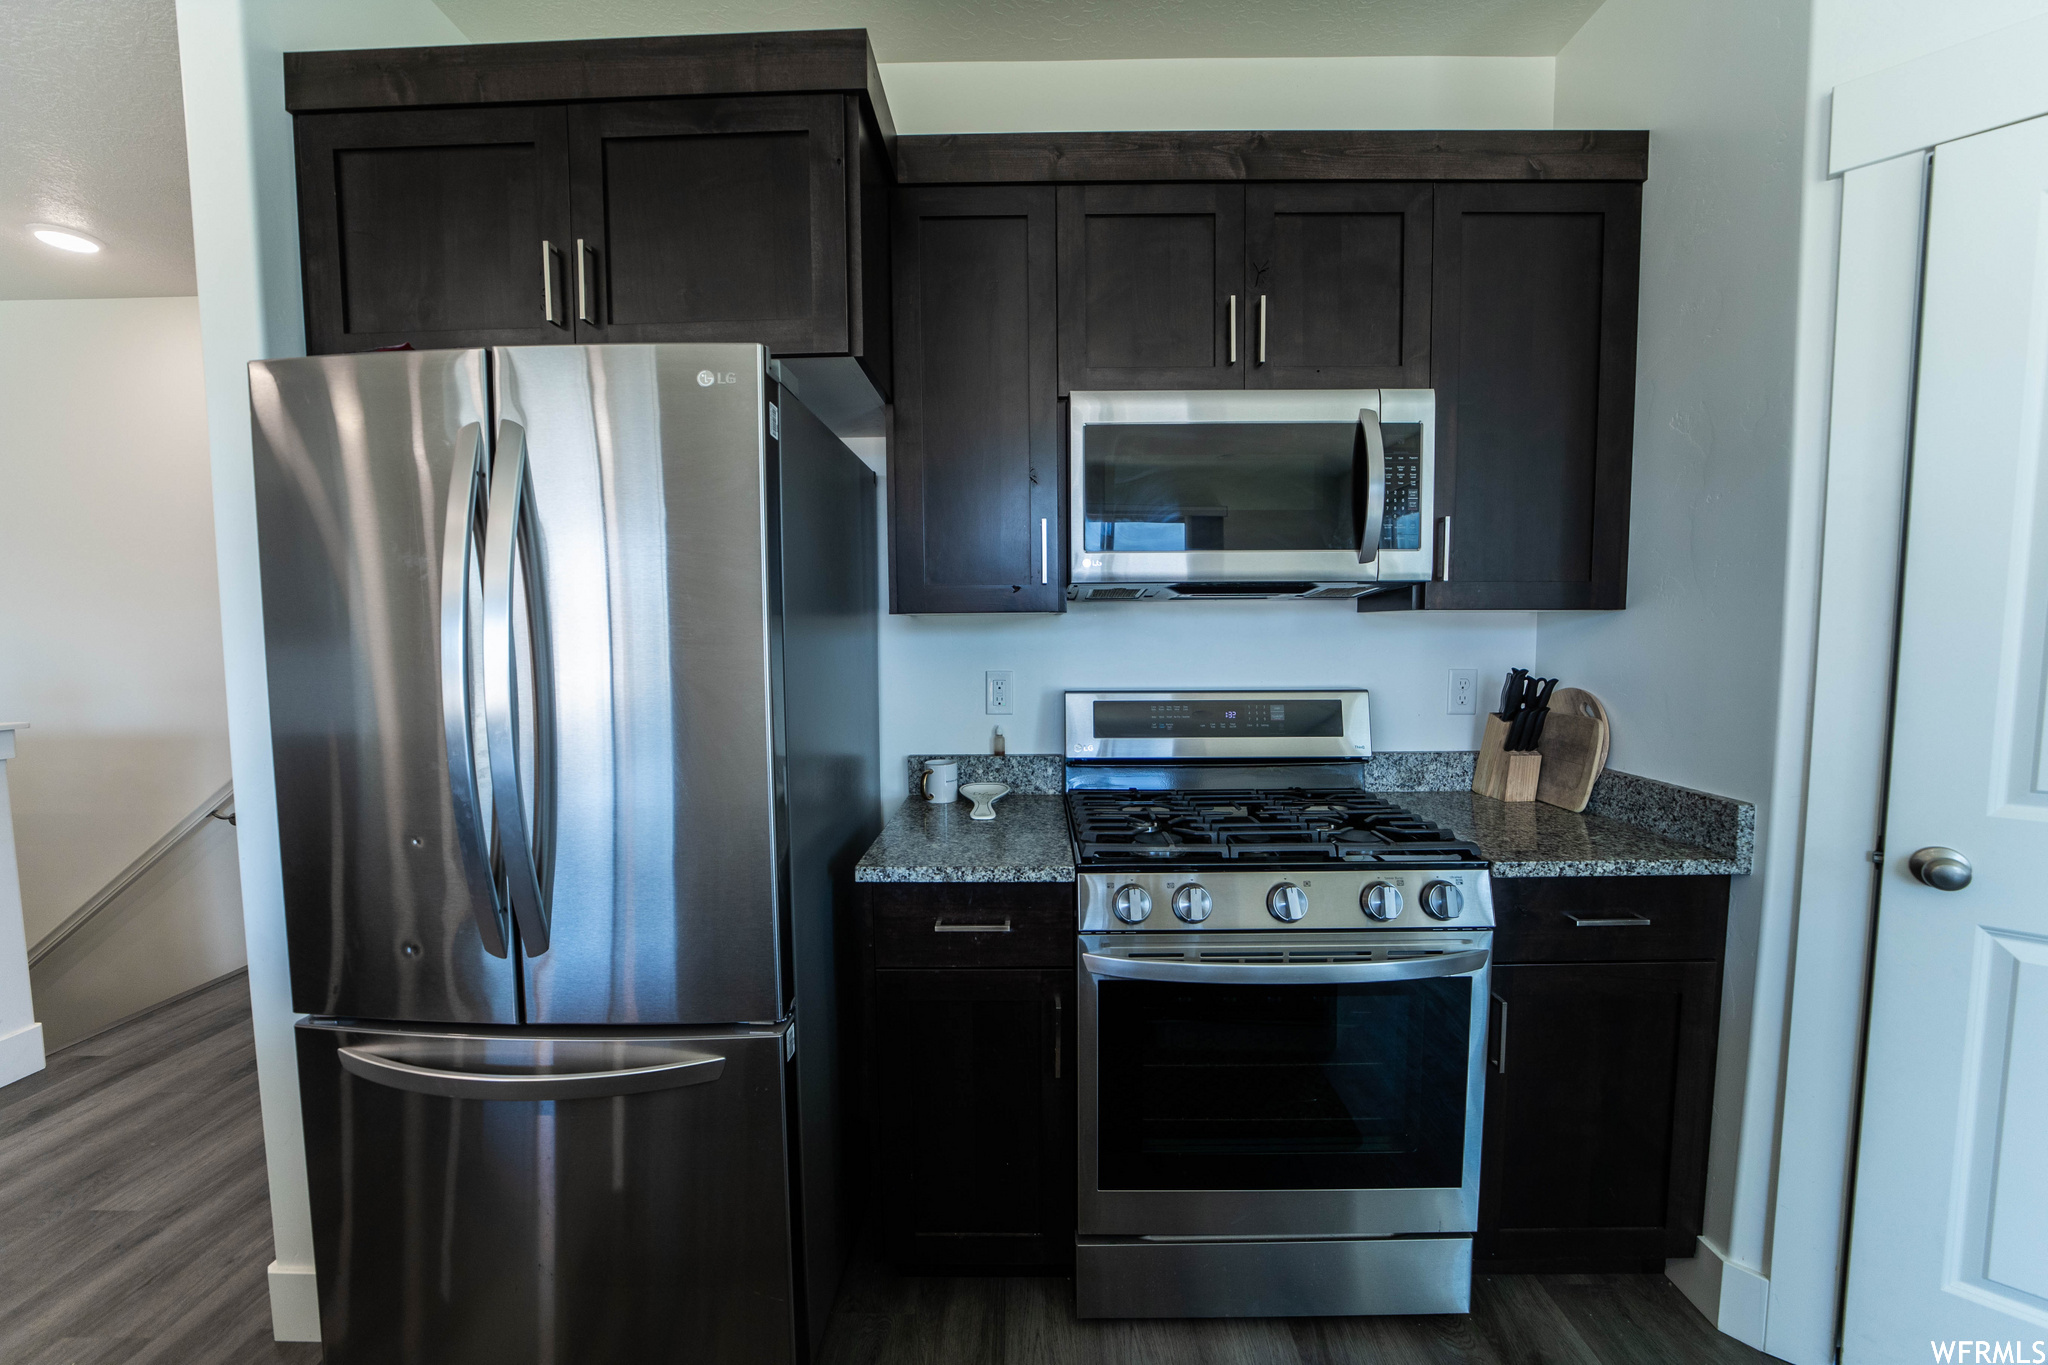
(1313, 493)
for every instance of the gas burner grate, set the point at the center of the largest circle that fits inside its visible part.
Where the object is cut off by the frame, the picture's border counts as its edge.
(1251, 825)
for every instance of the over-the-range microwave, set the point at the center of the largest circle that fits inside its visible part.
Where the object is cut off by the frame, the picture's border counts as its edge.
(1311, 493)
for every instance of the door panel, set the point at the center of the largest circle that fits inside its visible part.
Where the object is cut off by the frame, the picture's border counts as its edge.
(975, 466)
(1599, 1092)
(1147, 278)
(649, 489)
(974, 1075)
(713, 220)
(1534, 344)
(1951, 1186)
(469, 1231)
(427, 227)
(1337, 286)
(357, 459)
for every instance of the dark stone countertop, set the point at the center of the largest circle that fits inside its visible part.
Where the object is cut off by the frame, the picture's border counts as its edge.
(1531, 839)
(1026, 842)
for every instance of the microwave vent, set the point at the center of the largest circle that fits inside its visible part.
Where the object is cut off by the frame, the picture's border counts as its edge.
(1114, 594)
(1359, 591)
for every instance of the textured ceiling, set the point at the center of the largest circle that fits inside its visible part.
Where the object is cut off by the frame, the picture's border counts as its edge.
(1027, 30)
(92, 136)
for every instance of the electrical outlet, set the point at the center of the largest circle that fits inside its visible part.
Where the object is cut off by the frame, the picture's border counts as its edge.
(1464, 692)
(1000, 702)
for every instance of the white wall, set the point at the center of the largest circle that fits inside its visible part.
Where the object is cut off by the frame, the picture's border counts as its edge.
(109, 617)
(245, 235)
(1220, 92)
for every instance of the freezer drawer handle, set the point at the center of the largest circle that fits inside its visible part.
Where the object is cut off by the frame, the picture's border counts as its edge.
(1282, 973)
(465, 500)
(688, 1068)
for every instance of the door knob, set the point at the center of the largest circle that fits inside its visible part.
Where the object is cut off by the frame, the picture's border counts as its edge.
(1944, 869)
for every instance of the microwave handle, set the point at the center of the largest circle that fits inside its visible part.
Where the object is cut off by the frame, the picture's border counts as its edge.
(1375, 448)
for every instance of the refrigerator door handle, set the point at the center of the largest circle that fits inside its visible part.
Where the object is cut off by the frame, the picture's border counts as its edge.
(511, 535)
(677, 1068)
(458, 549)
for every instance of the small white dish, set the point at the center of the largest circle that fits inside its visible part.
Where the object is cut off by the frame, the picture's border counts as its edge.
(984, 795)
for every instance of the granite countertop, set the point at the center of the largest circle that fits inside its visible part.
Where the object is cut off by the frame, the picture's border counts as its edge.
(1633, 827)
(1531, 839)
(1026, 842)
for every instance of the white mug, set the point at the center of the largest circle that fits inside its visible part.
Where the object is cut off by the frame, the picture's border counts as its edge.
(940, 783)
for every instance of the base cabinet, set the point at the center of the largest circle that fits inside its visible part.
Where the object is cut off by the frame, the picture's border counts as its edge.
(1599, 1072)
(967, 1037)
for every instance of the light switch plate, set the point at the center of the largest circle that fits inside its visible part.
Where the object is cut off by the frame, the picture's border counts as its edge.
(1464, 698)
(1000, 700)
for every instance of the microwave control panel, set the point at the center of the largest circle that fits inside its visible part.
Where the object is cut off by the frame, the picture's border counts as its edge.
(1401, 527)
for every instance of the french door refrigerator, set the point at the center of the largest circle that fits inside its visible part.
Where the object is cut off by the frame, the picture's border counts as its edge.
(573, 704)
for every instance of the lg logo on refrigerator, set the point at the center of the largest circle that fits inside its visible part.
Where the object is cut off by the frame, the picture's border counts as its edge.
(706, 378)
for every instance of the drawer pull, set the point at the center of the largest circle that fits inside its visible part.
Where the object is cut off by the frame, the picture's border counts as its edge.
(941, 927)
(1612, 922)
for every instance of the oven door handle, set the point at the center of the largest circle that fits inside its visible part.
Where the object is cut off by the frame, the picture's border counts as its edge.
(1284, 973)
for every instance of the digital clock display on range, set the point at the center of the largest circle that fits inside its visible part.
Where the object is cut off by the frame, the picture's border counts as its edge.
(1216, 718)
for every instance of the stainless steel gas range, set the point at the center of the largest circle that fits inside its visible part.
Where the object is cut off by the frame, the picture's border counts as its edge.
(1283, 1006)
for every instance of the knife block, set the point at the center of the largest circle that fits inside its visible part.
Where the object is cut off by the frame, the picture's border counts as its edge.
(1500, 774)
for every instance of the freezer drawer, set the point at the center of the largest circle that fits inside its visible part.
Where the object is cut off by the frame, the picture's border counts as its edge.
(628, 1201)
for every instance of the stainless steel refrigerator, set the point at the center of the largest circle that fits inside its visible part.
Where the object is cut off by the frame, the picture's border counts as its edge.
(573, 703)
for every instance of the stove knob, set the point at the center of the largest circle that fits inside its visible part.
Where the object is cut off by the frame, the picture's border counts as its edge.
(1192, 904)
(1381, 900)
(1132, 904)
(1287, 902)
(1443, 900)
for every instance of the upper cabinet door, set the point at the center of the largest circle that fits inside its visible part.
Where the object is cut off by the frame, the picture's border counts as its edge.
(1337, 286)
(712, 220)
(1535, 342)
(974, 466)
(1152, 287)
(434, 227)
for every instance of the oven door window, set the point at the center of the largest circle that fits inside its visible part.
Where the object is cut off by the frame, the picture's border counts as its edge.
(1312, 1087)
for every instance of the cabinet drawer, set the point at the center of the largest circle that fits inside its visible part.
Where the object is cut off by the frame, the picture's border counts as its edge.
(972, 924)
(1609, 919)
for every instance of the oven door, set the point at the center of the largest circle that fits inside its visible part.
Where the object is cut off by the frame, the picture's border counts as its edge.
(1281, 1085)
(1207, 488)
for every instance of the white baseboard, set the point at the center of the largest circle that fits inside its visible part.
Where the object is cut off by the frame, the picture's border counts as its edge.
(21, 1053)
(294, 1303)
(1728, 1294)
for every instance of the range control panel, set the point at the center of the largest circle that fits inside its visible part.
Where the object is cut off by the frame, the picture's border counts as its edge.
(1311, 898)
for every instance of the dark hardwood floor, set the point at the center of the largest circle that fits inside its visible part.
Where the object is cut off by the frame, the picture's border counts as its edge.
(135, 1227)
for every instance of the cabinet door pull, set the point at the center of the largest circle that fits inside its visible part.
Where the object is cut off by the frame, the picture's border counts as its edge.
(1059, 1022)
(1500, 1037)
(1610, 922)
(1443, 549)
(547, 282)
(583, 282)
(1233, 329)
(1044, 544)
(939, 926)
(1262, 329)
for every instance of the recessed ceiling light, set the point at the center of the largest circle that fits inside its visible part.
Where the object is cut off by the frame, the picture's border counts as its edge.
(63, 238)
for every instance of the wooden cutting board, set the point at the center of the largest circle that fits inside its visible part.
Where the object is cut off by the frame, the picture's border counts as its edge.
(1574, 748)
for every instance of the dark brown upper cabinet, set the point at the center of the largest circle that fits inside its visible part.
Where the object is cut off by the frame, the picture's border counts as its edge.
(1151, 287)
(1535, 356)
(974, 466)
(437, 227)
(731, 187)
(1337, 285)
(712, 219)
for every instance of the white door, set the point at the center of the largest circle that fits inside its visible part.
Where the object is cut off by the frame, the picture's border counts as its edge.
(1950, 1236)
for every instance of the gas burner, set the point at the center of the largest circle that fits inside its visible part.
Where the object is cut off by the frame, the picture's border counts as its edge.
(1253, 825)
